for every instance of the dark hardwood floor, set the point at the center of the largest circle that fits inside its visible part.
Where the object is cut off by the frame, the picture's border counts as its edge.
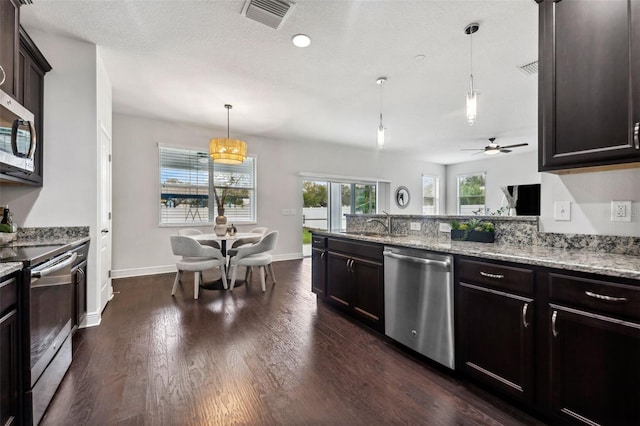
(247, 357)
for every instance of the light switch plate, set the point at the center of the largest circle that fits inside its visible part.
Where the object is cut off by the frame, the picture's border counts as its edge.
(621, 211)
(414, 226)
(562, 210)
(292, 212)
(285, 212)
(444, 227)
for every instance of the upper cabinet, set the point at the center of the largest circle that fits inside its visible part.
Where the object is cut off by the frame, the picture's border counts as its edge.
(9, 22)
(589, 103)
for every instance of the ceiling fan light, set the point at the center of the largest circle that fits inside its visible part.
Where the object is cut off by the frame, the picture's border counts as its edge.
(491, 151)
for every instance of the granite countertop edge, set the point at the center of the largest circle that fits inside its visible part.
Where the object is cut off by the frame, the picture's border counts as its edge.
(9, 268)
(71, 241)
(615, 265)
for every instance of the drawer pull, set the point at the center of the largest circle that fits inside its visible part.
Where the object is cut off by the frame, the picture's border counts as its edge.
(488, 275)
(525, 324)
(322, 256)
(553, 324)
(636, 136)
(607, 298)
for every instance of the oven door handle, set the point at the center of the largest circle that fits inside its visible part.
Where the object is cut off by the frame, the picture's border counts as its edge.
(63, 263)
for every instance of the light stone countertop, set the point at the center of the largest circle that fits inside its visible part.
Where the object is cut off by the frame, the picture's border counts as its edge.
(615, 265)
(9, 268)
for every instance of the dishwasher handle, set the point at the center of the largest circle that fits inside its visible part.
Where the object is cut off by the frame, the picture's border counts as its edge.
(420, 260)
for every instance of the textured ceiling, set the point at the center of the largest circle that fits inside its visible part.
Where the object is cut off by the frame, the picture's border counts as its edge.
(183, 60)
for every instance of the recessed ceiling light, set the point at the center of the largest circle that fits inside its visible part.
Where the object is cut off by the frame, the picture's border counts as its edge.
(301, 40)
(419, 57)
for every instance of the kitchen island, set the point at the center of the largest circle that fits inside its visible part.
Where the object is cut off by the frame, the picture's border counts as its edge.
(531, 321)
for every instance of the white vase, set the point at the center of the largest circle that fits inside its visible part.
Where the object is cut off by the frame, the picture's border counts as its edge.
(512, 212)
(220, 227)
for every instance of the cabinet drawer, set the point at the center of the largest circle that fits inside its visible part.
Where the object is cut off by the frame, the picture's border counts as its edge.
(8, 295)
(604, 296)
(318, 242)
(366, 250)
(516, 280)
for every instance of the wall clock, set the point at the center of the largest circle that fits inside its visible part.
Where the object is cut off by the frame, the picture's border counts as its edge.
(402, 197)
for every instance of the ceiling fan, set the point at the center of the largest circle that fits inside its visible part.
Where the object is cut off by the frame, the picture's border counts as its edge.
(494, 148)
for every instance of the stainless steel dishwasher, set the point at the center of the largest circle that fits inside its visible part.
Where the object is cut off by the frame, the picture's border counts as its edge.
(418, 301)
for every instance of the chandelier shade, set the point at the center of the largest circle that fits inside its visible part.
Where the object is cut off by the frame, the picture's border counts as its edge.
(227, 150)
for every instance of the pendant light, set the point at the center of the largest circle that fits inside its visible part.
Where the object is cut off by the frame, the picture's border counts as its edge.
(380, 141)
(226, 150)
(472, 95)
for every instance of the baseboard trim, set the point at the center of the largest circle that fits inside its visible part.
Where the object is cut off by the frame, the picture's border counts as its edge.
(92, 319)
(154, 270)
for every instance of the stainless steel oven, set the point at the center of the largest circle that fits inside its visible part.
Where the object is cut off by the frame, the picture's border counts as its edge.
(50, 309)
(17, 136)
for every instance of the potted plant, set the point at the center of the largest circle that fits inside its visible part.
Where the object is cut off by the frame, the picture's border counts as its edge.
(220, 228)
(473, 230)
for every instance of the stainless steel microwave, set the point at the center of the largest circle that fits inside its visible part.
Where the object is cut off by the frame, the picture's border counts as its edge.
(17, 136)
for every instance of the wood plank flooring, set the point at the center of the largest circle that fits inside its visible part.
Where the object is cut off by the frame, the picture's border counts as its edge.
(247, 357)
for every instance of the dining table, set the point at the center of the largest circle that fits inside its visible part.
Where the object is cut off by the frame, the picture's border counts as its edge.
(221, 241)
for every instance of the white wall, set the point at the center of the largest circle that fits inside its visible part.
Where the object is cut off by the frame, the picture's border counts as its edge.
(71, 104)
(140, 246)
(590, 195)
(502, 170)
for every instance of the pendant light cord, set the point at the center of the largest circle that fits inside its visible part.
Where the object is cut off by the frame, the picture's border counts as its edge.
(471, 62)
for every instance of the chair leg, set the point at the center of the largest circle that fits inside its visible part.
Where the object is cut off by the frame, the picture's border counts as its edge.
(224, 277)
(273, 276)
(196, 284)
(175, 282)
(234, 272)
(262, 271)
(247, 272)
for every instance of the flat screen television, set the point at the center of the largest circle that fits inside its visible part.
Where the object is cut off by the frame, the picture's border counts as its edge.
(528, 203)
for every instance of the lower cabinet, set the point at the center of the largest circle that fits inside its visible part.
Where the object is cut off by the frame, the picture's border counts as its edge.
(495, 317)
(319, 265)
(594, 346)
(9, 353)
(355, 276)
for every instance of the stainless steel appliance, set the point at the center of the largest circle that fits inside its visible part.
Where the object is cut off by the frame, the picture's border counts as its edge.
(17, 136)
(418, 302)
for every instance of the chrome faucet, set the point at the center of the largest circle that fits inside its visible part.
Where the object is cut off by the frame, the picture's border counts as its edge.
(386, 224)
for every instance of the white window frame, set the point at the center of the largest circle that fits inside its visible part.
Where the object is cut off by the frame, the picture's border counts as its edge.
(436, 197)
(464, 176)
(199, 153)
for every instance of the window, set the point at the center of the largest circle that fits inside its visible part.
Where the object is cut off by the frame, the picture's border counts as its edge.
(471, 193)
(187, 182)
(430, 195)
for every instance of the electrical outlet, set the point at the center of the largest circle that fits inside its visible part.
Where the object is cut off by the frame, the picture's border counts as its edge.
(292, 212)
(621, 211)
(414, 226)
(562, 210)
(444, 227)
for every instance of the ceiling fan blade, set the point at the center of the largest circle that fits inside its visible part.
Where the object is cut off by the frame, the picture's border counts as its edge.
(505, 150)
(479, 152)
(515, 146)
(472, 149)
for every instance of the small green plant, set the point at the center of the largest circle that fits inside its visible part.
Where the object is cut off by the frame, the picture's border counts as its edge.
(472, 225)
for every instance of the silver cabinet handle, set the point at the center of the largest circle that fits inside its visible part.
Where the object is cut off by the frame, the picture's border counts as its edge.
(488, 275)
(603, 297)
(636, 136)
(525, 324)
(4, 76)
(553, 324)
(351, 265)
(322, 256)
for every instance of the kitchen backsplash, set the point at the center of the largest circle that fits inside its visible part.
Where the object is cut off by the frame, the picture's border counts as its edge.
(517, 230)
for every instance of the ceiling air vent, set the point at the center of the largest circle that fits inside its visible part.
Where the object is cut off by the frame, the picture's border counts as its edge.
(530, 68)
(271, 13)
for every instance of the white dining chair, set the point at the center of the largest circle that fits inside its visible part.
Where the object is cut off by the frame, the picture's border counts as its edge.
(255, 255)
(196, 258)
(242, 242)
(192, 231)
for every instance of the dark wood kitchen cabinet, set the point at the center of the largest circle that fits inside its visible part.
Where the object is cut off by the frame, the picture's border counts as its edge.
(32, 67)
(594, 346)
(9, 352)
(319, 265)
(495, 326)
(589, 96)
(9, 22)
(355, 280)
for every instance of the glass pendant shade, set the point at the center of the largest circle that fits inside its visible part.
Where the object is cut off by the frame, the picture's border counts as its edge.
(380, 143)
(227, 151)
(472, 106)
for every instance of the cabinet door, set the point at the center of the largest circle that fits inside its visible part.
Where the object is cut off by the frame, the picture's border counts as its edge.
(318, 272)
(595, 368)
(368, 291)
(339, 288)
(587, 110)
(9, 16)
(495, 339)
(9, 368)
